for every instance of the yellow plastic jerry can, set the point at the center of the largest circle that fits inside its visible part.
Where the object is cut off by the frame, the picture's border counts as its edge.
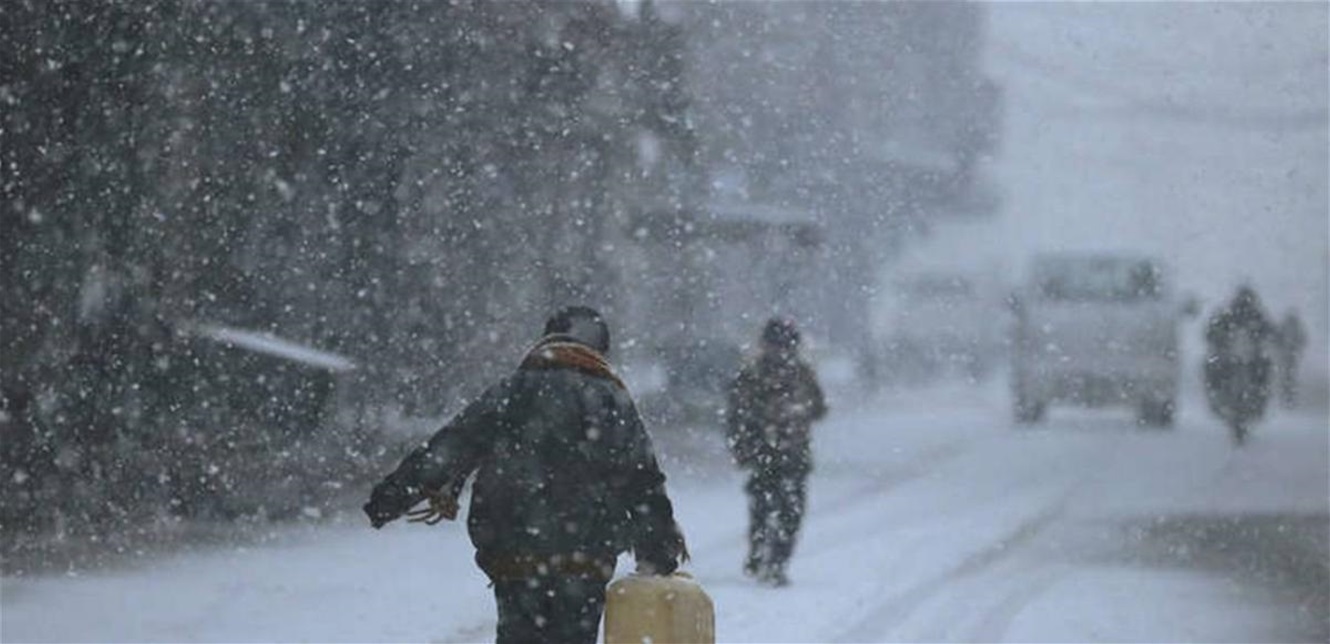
(650, 609)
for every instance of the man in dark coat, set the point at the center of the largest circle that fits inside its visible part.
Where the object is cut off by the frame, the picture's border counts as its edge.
(565, 480)
(772, 404)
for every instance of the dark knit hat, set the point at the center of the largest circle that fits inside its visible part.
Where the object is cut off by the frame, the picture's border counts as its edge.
(780, 333)
(582, 324)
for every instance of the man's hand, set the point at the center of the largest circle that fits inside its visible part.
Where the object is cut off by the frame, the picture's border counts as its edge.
(663, 555)
(664, 568)
(386, 503)
(743, 453)
(377, 517)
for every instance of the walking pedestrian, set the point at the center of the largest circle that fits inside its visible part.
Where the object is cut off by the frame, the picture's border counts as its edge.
(772, 404)
(566, 479)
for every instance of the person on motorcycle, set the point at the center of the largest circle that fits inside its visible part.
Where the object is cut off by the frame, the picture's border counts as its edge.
(1237, 361)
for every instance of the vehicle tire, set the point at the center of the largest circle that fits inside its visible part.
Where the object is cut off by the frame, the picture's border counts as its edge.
(1028, 411)
(1156, 413)
(1239, 433)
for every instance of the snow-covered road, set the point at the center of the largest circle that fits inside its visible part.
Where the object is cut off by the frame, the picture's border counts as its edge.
(931, 518)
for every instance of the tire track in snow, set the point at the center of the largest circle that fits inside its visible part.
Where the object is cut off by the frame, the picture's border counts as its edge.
(991, 602)
(896, 610)
(997, 620)
(862, 494)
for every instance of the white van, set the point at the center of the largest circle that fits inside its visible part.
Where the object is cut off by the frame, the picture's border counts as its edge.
(1096, 330)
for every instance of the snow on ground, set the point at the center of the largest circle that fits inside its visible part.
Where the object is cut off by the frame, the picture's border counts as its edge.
(931, 518)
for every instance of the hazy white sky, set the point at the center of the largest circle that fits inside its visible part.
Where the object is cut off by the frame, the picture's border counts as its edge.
(1194, 130)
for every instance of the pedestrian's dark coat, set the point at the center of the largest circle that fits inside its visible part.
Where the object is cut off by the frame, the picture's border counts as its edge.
(772, 405)
(565, 475)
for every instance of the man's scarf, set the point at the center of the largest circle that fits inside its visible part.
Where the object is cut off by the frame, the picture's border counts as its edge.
(558, 351)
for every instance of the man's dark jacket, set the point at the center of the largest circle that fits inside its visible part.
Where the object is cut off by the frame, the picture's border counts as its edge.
(565, 473)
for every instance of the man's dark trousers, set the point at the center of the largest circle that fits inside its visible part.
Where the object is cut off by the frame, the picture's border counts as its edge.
(776, 502)
(550, 608)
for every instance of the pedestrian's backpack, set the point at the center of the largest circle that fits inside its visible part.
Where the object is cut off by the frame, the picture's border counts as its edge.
(651, 608)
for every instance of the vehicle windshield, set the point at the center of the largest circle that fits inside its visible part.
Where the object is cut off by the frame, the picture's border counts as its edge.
(1098, 280)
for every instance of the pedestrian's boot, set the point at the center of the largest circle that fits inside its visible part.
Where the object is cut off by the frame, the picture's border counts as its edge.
(752, 566)
(775, 577)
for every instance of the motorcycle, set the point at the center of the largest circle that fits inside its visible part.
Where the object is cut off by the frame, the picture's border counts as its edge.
(1237, 384)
